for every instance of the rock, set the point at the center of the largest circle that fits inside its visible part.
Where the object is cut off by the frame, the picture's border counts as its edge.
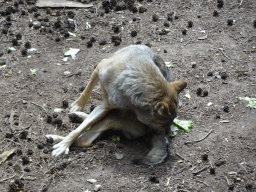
(91, 181)
(97, 188)
(119, 156)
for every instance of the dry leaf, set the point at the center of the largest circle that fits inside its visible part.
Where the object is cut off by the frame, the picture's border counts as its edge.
(4, 156)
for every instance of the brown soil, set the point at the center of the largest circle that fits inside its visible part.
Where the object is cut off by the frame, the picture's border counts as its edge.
(226, 158)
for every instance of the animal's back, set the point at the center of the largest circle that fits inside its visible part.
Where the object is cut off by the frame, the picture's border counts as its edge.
(130, 76)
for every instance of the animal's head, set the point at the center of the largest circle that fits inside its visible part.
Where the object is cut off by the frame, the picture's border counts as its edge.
(165, 108)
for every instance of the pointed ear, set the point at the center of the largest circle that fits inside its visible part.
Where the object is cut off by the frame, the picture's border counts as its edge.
(179, 85)
(162, 109)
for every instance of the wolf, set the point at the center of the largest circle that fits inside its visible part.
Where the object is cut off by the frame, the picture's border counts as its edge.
(139, 96)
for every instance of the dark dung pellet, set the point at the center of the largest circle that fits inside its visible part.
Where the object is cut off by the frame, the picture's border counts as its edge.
(134, 33)
(204, 157)
(30, 152)
(154, 179)
(24, 52)
(212, 171)
(215, 13)
(190, 24)
(26, 169)
(15, 42)
(155, 18)
(199, 91)
(231, 187)
(230, 22)
(40, 146)
(25, 160)
(220, 3)
(184, 32)
(226, 109)
(65, 104)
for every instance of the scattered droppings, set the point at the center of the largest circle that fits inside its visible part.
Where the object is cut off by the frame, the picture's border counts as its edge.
(231, 187)
(57, 39)
(220, 3)
(134, 33)
(155, 18)
(166, 24)
(25, 160)
(19, 152)
(15, 42)
(8, 135)
(205, 157)
(212, 171)
(205, 94)
(30, 152)
(40, 146)
(190, 24)
(57, 122)
(226, 109)
(65, 104)
(184, 32)
(230, 22)
(248, 186)
(27, 169)
(45, 151)
(142, 9)
(23, 135)
(154, 179)
(210, 73)
(223, 75)
(199, 91)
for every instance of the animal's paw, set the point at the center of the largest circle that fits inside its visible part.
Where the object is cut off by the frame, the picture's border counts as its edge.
(77, 117)
(60, 148)
(54, 138)
(75, 107)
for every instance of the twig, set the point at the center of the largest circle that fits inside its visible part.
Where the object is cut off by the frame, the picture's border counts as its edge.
(3, 180)
(240, 3)
(223, 53)
(38, 105)
(203, 183)
(196, 141)
(181, 157)
(201, 170)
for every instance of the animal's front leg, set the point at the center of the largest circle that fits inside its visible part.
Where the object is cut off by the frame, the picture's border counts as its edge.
(157, 154)
(97, 114)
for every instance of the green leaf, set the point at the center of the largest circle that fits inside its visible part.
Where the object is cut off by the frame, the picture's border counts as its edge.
(33, 71)
(88, 129)
(11, 48)
(73, 34)
(252, 101)
(183, 125)
(115, 138)
(169, 64)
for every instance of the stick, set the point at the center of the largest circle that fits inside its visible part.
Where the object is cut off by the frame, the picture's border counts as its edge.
(196, 141)
(240, 3)
(223, 53)
(201, 170)
(3, 180)
(38, 105)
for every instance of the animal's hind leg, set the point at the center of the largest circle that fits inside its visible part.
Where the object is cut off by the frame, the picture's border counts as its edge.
(89, 136)
(79, 104)
(77, 117)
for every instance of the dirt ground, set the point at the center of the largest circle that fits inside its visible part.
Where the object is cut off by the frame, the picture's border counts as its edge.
(216, 53)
